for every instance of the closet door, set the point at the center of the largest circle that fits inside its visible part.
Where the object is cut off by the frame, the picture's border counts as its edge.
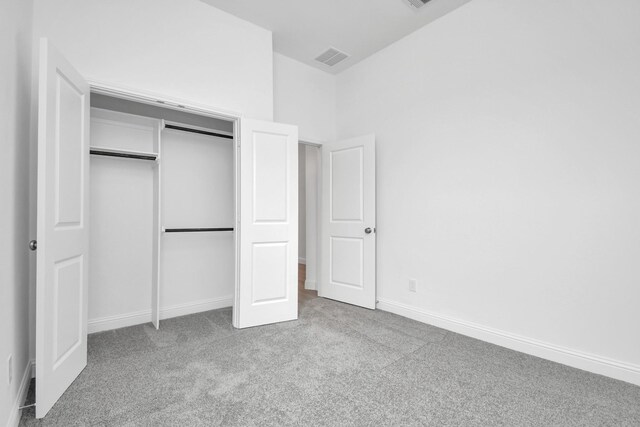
(267, 291)
(63, 229)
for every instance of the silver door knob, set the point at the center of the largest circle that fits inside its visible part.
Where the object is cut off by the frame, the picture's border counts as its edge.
(33, 245)
(368, 230)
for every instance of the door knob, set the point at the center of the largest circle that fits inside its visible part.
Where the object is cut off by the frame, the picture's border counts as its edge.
(368, 230)
(33, 245)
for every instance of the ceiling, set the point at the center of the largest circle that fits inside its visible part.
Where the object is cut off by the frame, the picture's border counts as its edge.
(303, 29)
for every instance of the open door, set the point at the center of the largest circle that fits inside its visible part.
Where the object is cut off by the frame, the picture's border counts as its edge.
(348, 236)
(267, 289)
(63, 233)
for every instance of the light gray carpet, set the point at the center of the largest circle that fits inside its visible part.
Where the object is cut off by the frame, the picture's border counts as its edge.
(337, 365)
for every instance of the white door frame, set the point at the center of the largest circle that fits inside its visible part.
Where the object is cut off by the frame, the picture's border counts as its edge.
(316, 261)
(318, 144)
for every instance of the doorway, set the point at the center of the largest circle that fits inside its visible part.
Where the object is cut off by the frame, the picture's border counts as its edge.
(308, 196)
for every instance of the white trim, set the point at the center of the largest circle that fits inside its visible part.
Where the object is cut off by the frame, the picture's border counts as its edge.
(302, 260)
(14, 412)
(163, 100)
(140, 317)
(95, 112)
(310, 141)
(195, 307)
(589, 362)
(118, 321)
(310, 285)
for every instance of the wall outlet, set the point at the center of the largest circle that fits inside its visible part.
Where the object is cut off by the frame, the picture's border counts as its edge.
(413, 285)
(10, 369)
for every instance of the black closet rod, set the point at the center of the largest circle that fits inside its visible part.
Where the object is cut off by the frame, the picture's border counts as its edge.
(194, 230)
(124, 155)
(201, 132)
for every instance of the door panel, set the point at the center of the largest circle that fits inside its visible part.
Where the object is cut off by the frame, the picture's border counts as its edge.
(63, 238)
(346, 184)
(348, 260)
(267, 290)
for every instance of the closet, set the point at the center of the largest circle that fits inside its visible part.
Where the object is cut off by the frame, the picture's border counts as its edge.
(162, 213)
(151, 207)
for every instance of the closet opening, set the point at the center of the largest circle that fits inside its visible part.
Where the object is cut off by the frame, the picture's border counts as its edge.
(308, 194)
(163, 208)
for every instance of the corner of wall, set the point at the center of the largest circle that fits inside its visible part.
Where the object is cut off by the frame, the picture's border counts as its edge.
(15, 412)
(306, 97)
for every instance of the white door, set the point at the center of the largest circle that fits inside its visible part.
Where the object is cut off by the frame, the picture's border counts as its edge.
(63, 232)
(348, 236)
(267, 289)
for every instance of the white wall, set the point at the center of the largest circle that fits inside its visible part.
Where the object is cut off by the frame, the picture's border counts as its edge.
(306, 97)
(196, 269)
(15, 66)
(181, 49)
(508, 168)
(302, 202)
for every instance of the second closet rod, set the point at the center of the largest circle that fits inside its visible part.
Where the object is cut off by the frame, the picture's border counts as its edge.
(201, 132)
(194, 230)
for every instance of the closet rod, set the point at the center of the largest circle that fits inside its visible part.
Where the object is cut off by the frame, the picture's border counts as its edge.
(124, 155)
(202, 132)
(194, 230)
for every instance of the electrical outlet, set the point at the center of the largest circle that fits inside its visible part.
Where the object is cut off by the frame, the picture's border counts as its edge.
(413, 285)
(10, 369)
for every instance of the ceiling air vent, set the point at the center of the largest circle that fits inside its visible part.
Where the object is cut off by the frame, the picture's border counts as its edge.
(332, 56)
(416, 4)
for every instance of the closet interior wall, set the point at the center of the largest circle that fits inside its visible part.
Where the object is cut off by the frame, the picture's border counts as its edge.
(145, 178)
(197, 267)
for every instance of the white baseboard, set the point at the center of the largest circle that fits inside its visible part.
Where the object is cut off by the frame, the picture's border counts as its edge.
(310, 285)
(577, 359)
(195, 307)
(15, 412)
(140, 317)
(118, 321)
(302, 261)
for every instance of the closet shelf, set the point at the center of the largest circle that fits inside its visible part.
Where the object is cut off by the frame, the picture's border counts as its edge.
(194, 230)
(127, 154)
